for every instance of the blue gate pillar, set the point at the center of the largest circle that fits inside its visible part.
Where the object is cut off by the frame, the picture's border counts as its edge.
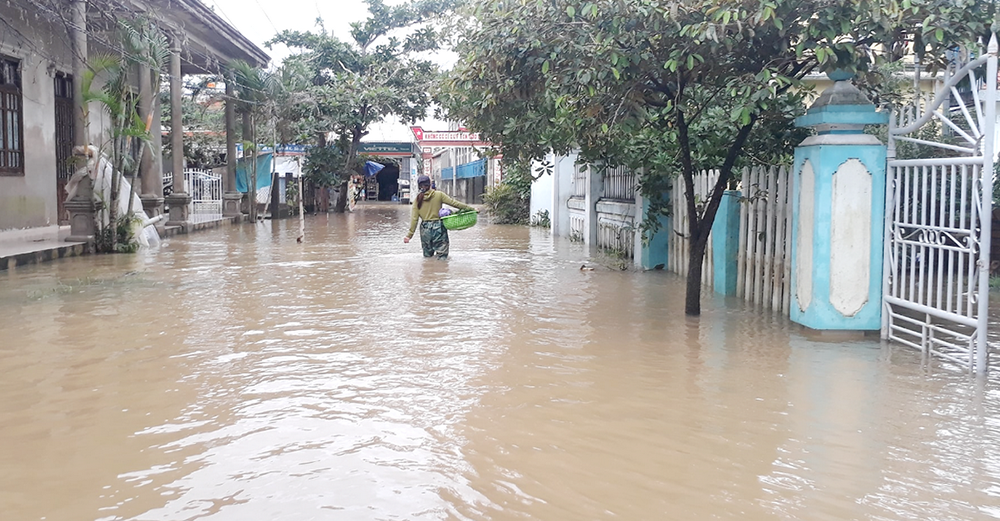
(838, 214)
(651, 249)
(726, 243)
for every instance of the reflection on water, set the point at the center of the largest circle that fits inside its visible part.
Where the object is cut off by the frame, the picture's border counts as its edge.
(237, 375)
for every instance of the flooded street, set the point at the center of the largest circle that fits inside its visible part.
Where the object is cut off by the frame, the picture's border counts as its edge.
(237, 375)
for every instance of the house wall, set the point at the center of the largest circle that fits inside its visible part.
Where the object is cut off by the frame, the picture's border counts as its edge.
(30, 200)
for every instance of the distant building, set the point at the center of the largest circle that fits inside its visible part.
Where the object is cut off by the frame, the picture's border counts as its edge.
(392, 182)
(453, 159)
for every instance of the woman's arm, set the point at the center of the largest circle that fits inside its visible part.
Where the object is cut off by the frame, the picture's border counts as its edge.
(413, 221)
(448, 200)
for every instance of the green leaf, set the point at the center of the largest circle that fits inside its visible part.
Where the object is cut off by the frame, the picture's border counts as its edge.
(571, 11)
(617, 74)
(545, 67)
(604, 128)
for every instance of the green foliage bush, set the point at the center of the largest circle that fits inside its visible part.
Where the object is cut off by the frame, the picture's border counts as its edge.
(322, 164)
(510, 201)
(120, 238)
(506, 205)
(541, 219)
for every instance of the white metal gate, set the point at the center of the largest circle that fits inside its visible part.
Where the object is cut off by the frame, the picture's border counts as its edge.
(938, 214)
(205, 188)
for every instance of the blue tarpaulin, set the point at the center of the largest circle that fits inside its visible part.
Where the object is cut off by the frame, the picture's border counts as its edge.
(263, 173)
(372, 168)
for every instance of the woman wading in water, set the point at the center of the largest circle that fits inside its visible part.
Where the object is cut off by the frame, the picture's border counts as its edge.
(433, 234)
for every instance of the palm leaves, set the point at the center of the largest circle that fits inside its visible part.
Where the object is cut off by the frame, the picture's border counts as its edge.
(255, 87)
(256, 91)
(142, 48)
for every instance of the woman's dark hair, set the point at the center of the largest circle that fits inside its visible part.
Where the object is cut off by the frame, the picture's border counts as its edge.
(423, 191)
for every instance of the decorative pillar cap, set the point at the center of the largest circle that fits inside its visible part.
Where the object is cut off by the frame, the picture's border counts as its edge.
(841, 109)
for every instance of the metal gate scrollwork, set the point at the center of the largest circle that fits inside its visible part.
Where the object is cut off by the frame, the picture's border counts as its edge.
(938, 216)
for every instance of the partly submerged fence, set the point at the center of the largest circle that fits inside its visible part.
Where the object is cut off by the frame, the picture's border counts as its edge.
(751, 246)
(680, 239)
(205, 188)
(764, 266)
(620, 184)
(763, 257)
(616, 213)
(580, 181)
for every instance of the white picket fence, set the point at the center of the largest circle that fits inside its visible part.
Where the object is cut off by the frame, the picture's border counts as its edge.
(680, 241)
(764, 269)
(764, 260)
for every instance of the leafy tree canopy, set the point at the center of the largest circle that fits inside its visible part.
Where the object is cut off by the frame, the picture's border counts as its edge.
(378, 73)
(678, 86)
(351, 84)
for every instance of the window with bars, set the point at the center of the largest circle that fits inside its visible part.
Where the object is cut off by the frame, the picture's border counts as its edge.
(11, 126)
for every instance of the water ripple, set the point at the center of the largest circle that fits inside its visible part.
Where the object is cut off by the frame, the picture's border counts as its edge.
(235, 374)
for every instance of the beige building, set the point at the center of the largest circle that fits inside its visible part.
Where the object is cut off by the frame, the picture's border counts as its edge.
(44, 48)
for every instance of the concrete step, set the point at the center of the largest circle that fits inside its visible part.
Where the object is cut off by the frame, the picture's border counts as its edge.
(22, 247)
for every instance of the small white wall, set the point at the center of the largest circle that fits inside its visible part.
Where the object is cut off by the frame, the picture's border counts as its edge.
(562, 190)
(541, 190)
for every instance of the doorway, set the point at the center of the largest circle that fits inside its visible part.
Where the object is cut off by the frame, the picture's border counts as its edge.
(64, 140)
(388, 183)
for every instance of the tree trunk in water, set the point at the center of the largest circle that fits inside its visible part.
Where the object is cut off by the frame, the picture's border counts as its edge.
(352, 153)
(692, 298)
(320, 203)
(341, 198)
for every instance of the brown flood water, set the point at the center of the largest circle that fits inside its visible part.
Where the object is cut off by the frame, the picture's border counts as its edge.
(237, 375)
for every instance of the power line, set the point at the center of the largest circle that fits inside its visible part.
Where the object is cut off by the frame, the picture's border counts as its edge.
(276, 31)
(215, 4)
(24, 41)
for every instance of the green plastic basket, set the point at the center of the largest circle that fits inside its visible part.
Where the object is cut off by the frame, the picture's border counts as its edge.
(460, 220)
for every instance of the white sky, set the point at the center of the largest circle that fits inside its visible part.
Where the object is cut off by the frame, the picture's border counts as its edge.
(259, 20)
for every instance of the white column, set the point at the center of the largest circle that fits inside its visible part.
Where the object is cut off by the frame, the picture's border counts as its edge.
(179, 200)
(176, 117)
(230, 197)
(562, 191)
(594, 190)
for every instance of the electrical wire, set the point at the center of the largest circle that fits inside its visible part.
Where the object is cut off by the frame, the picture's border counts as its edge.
(276, 31)
(215, 3)
(98, 37)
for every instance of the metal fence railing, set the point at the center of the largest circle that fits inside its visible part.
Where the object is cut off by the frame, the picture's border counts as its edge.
(580, 181)
(619, 183)
(205, 188)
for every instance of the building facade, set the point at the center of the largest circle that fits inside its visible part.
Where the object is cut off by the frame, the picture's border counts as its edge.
(45, 49)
